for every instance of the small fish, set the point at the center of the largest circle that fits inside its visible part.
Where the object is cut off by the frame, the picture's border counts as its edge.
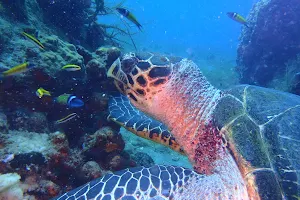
(41, 92)
(8, 158)
(33, 39)
(71, 68)
(69, 100)
(238, 18)
(66, 118)
(17, 69)
(126, 13)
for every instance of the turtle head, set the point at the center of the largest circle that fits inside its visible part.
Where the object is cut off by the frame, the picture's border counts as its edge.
(141, 77)
(176, 93)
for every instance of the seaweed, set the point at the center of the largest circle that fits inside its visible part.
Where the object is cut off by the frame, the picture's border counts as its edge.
(288, 80)
(81, 26)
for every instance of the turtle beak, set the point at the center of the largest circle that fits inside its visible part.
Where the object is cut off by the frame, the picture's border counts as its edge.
(120, 79)
(115, 71)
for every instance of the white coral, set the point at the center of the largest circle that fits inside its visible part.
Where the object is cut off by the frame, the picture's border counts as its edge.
(10, 187)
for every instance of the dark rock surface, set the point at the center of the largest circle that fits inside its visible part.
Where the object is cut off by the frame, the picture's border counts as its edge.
(27, 159)
(142, 159)
(270, 41)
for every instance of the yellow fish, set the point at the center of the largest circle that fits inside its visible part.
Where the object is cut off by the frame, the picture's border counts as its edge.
(65, 119)
(238, 18)
(71, 68)
(126, 13)
(17, 69)
(41, 92)
(33, 39)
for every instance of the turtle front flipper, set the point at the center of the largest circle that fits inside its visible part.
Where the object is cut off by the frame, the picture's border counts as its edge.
(148, 183)
(159, 181)
(122, 112)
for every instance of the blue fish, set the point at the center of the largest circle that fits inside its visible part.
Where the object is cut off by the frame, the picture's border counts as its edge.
(69, 100)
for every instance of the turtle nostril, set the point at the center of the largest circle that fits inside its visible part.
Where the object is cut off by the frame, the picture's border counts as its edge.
(132, 97)
(141, 92)
(130, 79)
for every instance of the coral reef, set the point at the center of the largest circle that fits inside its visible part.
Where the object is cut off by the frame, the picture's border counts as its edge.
(3, 123)
(45, 187)
(47, 63)
(142, 159)
(22, 142)
(10, 186)
(89, 171)
(27, 159)
(103, 142)
(109, 53)
(269, 42)
(42, 155)
(26, 120)
(116, 161)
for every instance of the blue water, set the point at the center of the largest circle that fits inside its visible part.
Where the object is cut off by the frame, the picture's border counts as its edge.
(185, 27)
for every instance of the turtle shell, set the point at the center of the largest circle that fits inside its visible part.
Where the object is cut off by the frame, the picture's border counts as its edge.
(156, 58)
(262, 129)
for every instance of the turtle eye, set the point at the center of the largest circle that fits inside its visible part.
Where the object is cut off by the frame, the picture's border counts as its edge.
(134, 71)
(144, 66)
(128, 65)
(141, 92)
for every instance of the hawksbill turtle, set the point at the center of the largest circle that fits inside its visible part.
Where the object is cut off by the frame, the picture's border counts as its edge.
(243, 143)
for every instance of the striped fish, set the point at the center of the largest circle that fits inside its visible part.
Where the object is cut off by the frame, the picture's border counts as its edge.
(238, 18)
(17, 69)
(71, 67)
(33, 39)
(66, 118)
(126, 13)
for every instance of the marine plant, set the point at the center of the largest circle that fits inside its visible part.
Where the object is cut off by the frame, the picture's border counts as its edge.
(82, 26)
(289, 79)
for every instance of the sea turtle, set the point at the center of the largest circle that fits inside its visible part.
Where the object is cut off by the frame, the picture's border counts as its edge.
(243, 142)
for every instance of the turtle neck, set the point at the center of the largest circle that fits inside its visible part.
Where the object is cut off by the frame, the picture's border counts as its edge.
(185, 105)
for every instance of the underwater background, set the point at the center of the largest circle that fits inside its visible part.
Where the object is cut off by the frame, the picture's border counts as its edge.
(183, 28)
(56, 129)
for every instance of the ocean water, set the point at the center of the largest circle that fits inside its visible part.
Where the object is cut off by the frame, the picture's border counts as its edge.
(67, 132)
(181, 27)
